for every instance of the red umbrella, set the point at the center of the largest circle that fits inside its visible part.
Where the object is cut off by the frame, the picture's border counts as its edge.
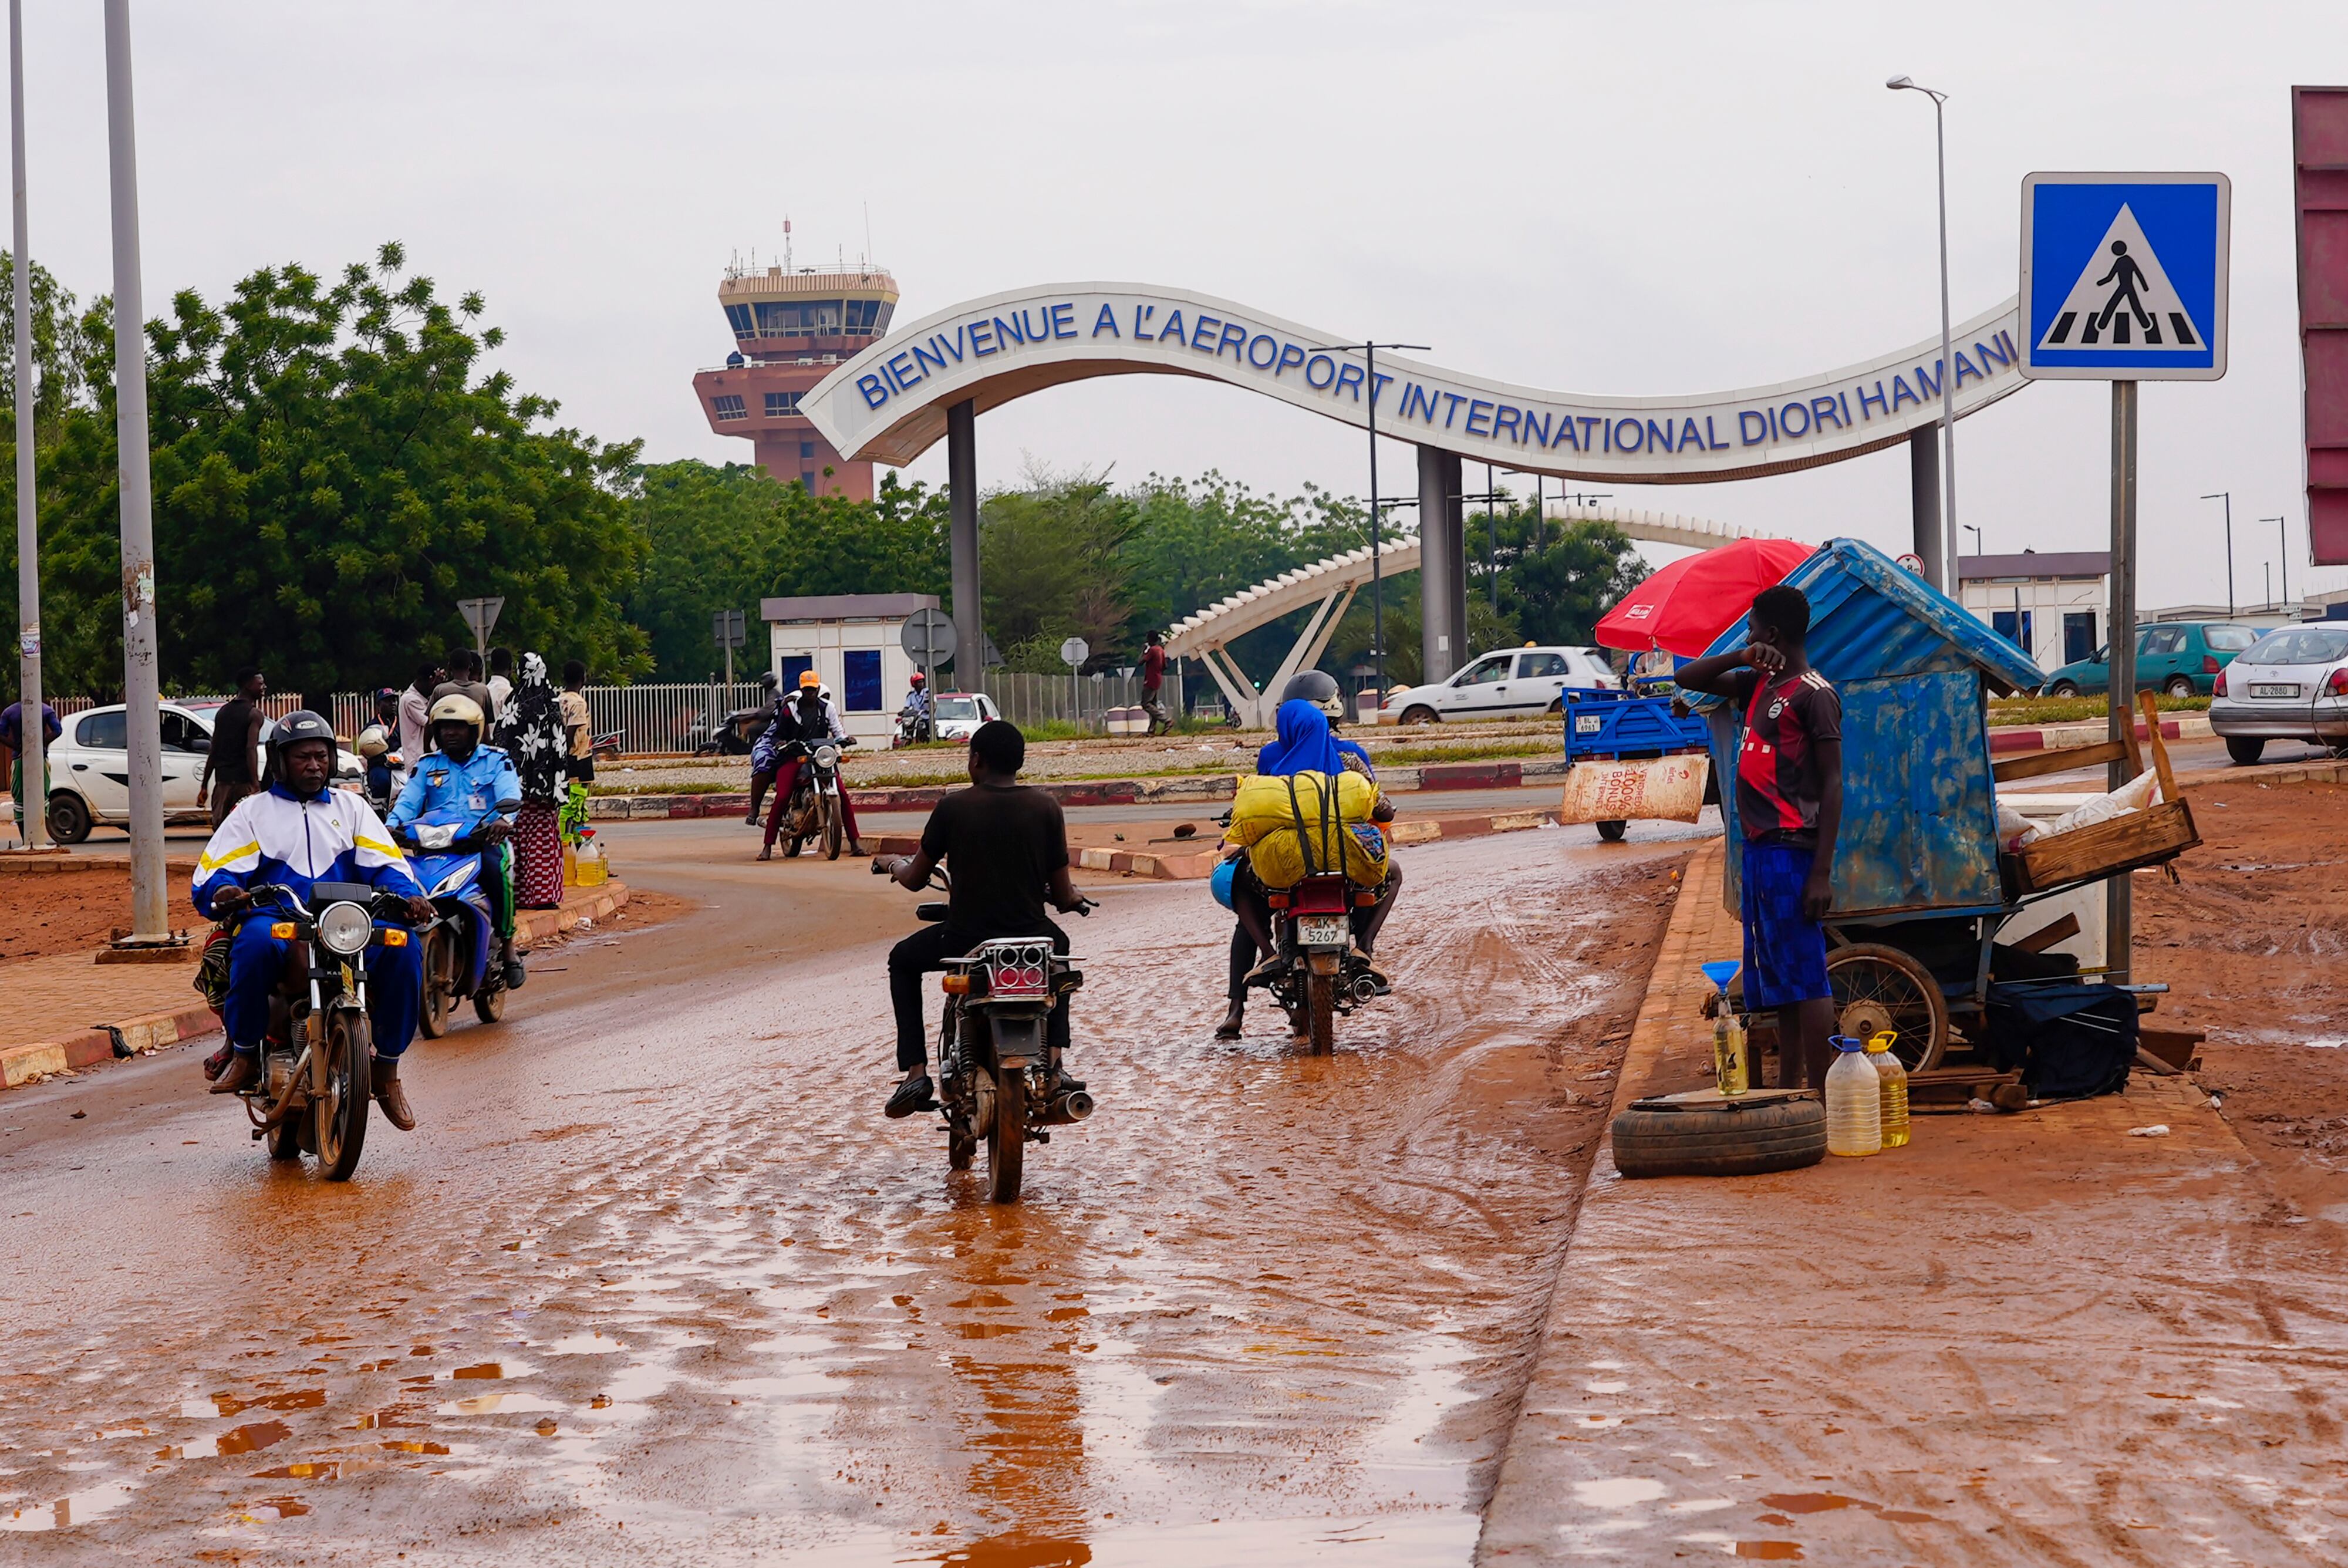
(1682, 608)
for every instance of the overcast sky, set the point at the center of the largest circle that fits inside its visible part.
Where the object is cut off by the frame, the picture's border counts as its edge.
(1606, 199)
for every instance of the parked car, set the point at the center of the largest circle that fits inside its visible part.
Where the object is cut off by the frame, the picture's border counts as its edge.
(89, 769)
(1519, 683)
(2181, 658)
(2290, 685)
(959, 713)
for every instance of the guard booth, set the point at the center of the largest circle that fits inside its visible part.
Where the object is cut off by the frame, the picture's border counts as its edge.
(854, 644)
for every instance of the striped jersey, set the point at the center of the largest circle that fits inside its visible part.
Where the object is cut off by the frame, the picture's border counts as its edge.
(1778, 789)
(276, 837)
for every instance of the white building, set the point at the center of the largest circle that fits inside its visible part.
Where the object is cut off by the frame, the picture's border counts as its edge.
(853, 642)
(2056, 605)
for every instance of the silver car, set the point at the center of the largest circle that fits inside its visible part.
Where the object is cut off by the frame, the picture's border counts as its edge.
(2290, 685)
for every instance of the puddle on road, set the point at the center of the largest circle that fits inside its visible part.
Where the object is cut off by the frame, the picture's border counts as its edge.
(1288, 1298)
(66, 1511)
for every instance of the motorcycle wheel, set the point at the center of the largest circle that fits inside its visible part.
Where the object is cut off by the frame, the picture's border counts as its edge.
(432, 1019)
(489, 1006)
(1321, 1013)
(342, 1112)
(1006, 1137)
(831, 839)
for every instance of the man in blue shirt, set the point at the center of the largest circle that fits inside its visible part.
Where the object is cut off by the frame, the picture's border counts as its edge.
(468, 782)
(295, 832)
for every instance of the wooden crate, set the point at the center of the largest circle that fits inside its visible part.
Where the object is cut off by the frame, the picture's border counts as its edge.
(2125, 843)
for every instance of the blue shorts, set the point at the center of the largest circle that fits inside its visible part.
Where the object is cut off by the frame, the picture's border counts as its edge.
(1785, 955)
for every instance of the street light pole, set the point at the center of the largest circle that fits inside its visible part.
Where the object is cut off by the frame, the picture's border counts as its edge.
(1948, 358)
(1377, 575)
(141, 694)
(33, 795)
(2227, 497)
(2283, 551)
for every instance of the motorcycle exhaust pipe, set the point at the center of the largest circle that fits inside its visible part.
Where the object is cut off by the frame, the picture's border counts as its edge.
(1069, 1105)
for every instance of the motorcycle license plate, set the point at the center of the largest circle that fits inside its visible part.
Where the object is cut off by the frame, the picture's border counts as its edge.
(2274, 689)
(1322, 930)
(1587, 723)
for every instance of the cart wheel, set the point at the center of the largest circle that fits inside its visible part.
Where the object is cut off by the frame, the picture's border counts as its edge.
(1877, 988)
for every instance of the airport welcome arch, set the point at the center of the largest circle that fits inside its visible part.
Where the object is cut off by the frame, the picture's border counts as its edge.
(934, 378)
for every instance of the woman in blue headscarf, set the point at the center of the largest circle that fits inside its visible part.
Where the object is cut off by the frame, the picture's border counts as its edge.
(1305, 744)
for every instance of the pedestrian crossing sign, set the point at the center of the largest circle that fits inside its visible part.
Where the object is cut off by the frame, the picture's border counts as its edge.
(2124, 276)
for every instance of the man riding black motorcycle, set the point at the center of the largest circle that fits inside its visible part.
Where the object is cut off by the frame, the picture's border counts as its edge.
(811, 719)
(1005, 845)
(295, 832)
(918, 717)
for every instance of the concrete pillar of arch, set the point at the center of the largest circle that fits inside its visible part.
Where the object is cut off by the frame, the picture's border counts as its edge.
(1442, 565)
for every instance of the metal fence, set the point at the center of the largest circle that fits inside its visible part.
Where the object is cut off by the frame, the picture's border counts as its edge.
(1084, 700)
(679, 718)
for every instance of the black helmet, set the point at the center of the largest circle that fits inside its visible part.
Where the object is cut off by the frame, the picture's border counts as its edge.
(300, 724)
(1318, 688)
(767, 680)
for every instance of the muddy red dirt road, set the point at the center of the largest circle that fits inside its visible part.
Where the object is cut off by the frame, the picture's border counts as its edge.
(656, 1280)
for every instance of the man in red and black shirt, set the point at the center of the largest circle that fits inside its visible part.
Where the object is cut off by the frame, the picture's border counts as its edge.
(1788, 809)
(1153, 682)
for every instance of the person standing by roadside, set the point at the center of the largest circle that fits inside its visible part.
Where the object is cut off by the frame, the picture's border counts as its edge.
(414, 710)
(1789, 806)
(464, 679)
(233, 767)
(532, 734)
(11, 735)
(501, 681)
(1153, 684)
(579, 736)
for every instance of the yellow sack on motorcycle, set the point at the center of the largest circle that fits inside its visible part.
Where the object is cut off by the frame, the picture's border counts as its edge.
(1291, 829)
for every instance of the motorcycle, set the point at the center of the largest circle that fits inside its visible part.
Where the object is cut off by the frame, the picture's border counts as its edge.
(734, 736)
(997, 1080)
(914, 727)
(1319, 974)
(813, 809)
(445, 851)
(313, 1092)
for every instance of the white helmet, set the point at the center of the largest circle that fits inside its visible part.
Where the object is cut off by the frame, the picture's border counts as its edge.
(373, 741)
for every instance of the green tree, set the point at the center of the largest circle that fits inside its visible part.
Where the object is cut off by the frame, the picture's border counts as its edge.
(1055, 567)
(332, 469)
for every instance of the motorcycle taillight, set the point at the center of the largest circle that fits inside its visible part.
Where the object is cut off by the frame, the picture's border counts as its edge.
(1017, 973)
(1321, 895)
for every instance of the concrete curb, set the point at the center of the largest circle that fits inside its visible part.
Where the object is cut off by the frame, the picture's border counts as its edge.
(2174, 726)
(87, 1047)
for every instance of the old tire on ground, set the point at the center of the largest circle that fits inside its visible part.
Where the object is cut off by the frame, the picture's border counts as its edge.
(1749, 1140)
(68, 818)
(2245, 748)
(1879, 988)
(1612, 830)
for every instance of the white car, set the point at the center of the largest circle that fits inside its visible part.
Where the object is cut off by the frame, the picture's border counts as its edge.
(2290, 685)
(1519, 683)
(89, 769)
(959, 713)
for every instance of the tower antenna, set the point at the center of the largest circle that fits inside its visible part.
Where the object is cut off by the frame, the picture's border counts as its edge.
(787, 243)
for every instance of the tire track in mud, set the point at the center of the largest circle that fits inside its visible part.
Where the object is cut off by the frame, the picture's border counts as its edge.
(693, 1289)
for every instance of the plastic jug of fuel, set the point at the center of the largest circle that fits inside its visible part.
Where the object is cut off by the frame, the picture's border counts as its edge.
(1854, 1101)
(1730, 1068)
(1893, 1078)
(594, 870)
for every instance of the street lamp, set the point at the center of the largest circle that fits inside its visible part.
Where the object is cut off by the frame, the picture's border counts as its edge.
(32, 795)
(2283, 551)
(1377, 576)
(1974, 529)
(1948, 360)
(2227, 497)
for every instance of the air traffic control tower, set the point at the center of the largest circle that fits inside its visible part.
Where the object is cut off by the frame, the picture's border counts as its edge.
(791, 329)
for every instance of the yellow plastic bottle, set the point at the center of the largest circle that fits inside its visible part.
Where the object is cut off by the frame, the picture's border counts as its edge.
(1729, 1060)
(1854, 1101)
(1893, 1079)
(594, 870)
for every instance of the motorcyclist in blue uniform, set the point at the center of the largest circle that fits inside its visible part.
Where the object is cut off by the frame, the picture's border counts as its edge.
(468, 781)
(293, 833)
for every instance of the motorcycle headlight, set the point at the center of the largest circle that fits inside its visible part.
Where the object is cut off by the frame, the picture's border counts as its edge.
(827, 756)
(344, 928)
